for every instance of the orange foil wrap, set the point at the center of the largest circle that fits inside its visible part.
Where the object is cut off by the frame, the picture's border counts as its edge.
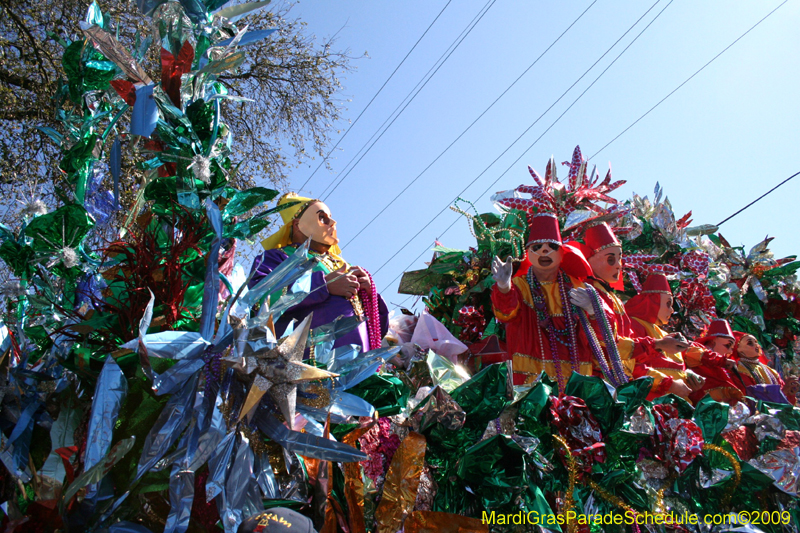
(432, 522)
(354, 485)
(401, 485)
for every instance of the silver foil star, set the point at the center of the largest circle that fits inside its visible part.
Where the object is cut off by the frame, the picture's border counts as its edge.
(278, 370)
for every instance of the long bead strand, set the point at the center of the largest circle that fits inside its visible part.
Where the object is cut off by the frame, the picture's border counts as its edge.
(369, 298)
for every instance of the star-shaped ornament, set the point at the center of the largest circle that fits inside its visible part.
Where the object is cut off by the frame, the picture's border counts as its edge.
(278, 370)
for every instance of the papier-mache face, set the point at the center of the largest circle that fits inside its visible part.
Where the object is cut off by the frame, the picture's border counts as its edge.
(665, 309)
(722, 345)
(316, 222)
(545, 258)
(749, 347)
(607, 264)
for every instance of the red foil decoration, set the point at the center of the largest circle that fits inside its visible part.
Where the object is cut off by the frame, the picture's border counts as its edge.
(580, 428)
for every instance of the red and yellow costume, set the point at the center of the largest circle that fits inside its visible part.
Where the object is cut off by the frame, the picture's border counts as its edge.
(634, 350)
(527, 338)
(643, 311)
(756, 372)
(720, 383)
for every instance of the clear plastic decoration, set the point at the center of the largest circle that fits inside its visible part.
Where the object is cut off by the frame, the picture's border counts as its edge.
(445, 374)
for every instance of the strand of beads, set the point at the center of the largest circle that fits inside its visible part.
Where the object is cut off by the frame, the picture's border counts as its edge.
(545, 319)
(516, 239)
(596, 349)
(569, 317)
(369, 298)
(608, 336)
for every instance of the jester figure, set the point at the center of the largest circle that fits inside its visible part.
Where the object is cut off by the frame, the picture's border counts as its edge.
(604, 253)
(649, 311)
(542, 328)
(337, 288)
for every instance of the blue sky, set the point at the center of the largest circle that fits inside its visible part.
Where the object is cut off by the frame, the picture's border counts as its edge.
(726, 137)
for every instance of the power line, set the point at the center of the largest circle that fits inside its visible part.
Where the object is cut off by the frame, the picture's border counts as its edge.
(615, 138)
(376, 95)
(689, 78)
(759, 198)
(524, 132)
(472, 124)
(453, 46)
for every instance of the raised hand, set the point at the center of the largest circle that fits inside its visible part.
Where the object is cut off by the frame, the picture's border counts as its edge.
(581, 298)
(501, 273)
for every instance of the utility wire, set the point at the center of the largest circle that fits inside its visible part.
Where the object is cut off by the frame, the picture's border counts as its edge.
(759, 198)
(522, 135)
(689, 78)
(440, 62)
(470, 126)
(376, 95)
(619, 135)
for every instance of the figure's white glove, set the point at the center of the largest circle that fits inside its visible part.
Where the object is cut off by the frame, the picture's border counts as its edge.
(694, 381)
(501, 272)
(581, 298)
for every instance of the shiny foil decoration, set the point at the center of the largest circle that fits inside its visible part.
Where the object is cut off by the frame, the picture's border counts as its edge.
(694, 292)
(402, 482)
(677, 441)
(354, 485)
(783, 467)
(744, 442)
(580, 428)
(438, 408)
(433, 522)
(765, 425)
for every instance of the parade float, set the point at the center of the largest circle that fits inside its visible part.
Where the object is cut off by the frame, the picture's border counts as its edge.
(150, 385)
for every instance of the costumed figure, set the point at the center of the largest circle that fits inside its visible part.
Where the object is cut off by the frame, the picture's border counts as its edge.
(542, 327)
(761, 381)
(604, 252)
(337, 289)
(649, 310)
(709, 357)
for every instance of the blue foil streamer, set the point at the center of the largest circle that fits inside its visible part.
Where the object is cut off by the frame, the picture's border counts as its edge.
(170, 424)
(266, 478)
(304, 443)
(211, 285)
(145, 112)
(237, 485)
(112, 387)
(218, 466)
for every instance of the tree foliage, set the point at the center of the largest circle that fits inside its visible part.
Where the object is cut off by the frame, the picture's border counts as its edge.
(292, 78)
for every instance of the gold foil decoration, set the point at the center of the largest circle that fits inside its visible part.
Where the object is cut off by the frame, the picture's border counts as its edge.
(434, 522)
(572, 466)
(402, 483)
(330, 515)
(354, 485)
(737, 471)
(611, 498)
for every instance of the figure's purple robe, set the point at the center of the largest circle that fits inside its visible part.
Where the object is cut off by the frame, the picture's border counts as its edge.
(325, 306)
